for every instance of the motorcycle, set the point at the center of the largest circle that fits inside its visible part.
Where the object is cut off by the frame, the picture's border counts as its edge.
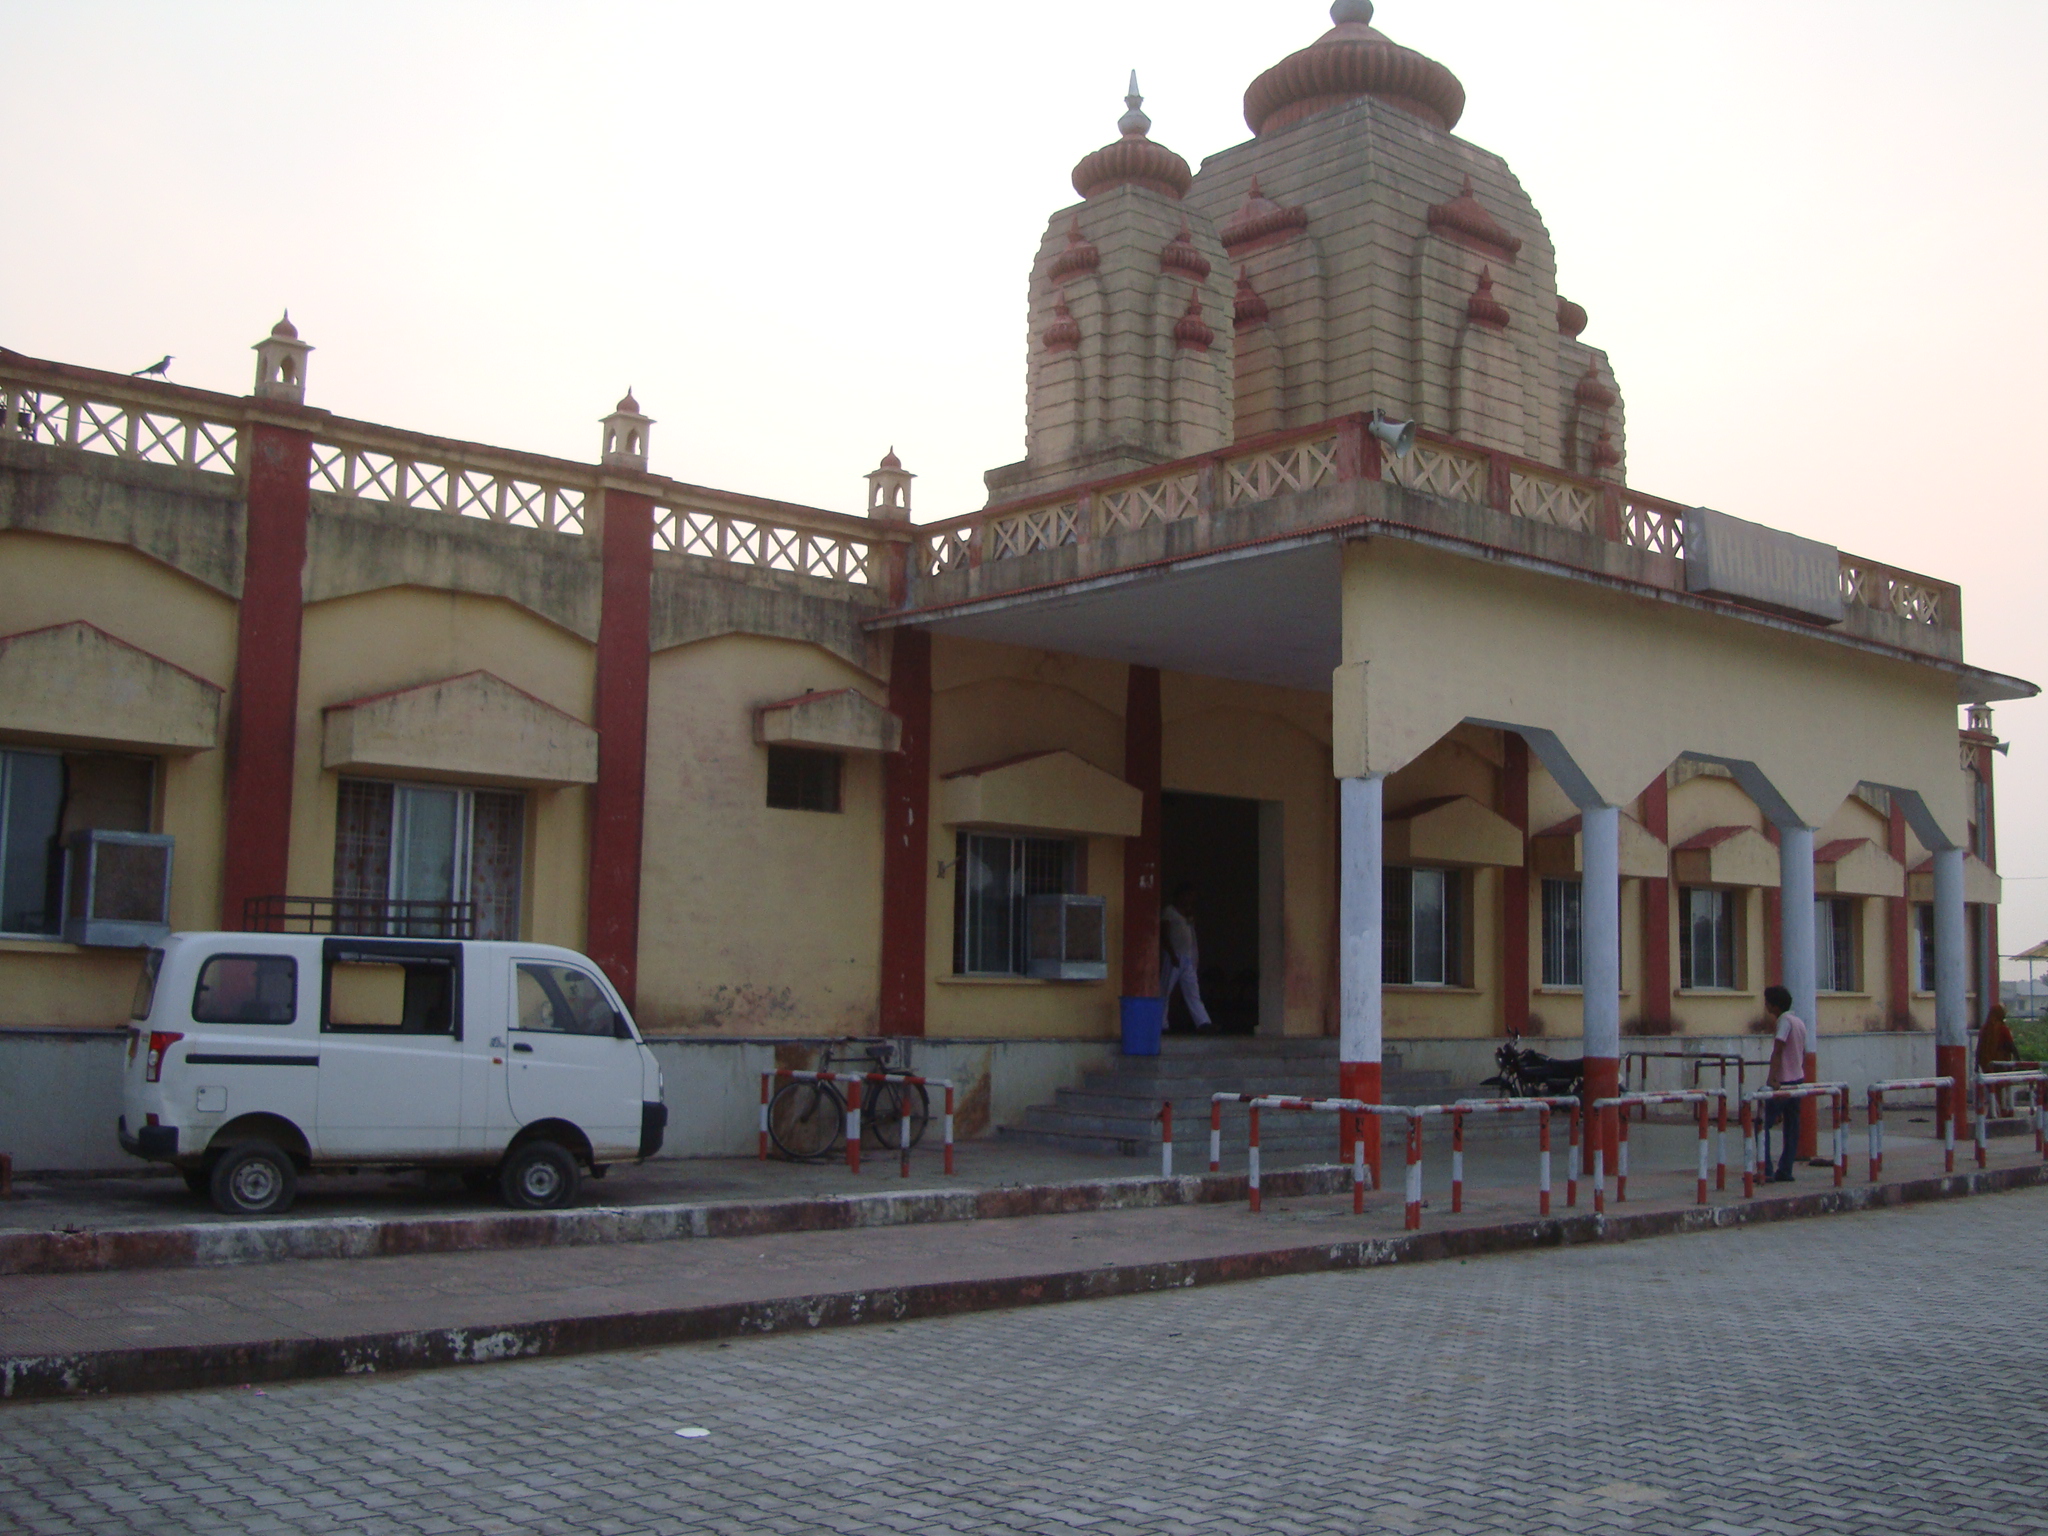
(1527, 1074)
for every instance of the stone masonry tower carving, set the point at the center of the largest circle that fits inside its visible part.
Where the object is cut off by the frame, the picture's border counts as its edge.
(1353, 254)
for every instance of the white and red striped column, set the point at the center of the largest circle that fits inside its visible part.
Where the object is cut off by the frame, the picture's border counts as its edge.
(1361, 806)
(1600, 913)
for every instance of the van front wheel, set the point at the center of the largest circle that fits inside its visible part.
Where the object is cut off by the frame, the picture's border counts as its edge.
(540, 1176)
(254, 1179)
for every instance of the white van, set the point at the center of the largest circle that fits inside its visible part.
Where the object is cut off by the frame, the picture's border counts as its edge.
(256, 1057)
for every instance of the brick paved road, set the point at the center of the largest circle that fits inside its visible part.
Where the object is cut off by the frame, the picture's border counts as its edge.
(1635, 1388)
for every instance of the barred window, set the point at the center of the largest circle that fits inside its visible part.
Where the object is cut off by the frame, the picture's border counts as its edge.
(1423, 928)
(1563, 934)
(802, 779)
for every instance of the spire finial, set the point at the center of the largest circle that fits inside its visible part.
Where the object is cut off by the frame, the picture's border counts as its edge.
(1358, 11)
(1134, 123)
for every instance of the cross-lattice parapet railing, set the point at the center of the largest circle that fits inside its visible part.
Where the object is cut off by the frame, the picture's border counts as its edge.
(1918, 599)
(742, 538)
(443, 483)
(136, 428)
(1291, 467)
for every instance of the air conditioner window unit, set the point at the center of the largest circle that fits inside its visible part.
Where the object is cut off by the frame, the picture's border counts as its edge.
(1068, 938)
(117, 888)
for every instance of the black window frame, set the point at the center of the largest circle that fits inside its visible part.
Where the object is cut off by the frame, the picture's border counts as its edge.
(421, 960)
(806, 779)
(1398, 953)
(1688, 972)
(1563, 954)
(1028, 872)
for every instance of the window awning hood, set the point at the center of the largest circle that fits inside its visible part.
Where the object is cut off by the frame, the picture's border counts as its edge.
(76, 685)
(1856, 866)
(843, 720)
(472, 729)
(1560, 851)
(1456, 830)
(1726, 856)
(1981, 885)
(1044, 792)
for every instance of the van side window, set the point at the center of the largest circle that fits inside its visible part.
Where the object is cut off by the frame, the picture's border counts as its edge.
(247, 989)
(561, 1000)
(392, 989)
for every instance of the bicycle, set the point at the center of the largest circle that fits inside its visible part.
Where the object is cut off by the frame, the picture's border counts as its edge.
(807, 1119)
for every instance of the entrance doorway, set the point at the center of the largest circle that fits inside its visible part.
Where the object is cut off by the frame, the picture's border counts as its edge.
(1229, 849)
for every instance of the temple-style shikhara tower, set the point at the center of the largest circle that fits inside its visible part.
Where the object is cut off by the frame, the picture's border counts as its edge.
(1354, 254)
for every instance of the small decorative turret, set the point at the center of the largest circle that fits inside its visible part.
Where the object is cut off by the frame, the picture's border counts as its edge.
(1079, 256)
(1181, 256)
(1605, 454)
(1251, 307)
(625, 436)
(1193, 331)
(1483, 308)
(1064, 334)
(281, 363)
(889, 490)
(1571, 318)
(1594, 392)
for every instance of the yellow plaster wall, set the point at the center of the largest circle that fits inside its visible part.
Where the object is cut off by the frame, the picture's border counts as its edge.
(400, 637)
(47, 580)
(1710, 801)
(1627, 683)
(989, 703)
(753, 921)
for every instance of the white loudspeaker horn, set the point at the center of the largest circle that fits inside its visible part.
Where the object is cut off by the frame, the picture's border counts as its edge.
(1399, 436)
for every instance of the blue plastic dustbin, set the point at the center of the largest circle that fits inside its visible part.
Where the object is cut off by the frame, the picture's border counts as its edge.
(1144, 1020)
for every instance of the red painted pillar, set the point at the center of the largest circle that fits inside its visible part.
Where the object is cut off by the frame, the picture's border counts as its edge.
(906, 835)
(263, 716)
(1142, 771)
(1514, 904)
(1657, 910)
(618, 805)
(1898, 930)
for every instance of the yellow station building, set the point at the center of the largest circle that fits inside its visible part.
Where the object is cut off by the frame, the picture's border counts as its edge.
(1452, 732)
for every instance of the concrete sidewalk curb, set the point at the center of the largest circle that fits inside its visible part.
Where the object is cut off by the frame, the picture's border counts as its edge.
(26, 1378)
(369, 1237)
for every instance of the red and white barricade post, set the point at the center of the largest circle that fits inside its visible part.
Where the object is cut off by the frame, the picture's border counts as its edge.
(1164, 1119)
(1612, 1131)
(853, 1082)
(1753, 1132)
(1943, 1087)
(1997, 1082)
(1361, 1176)
(1544, 1109)
(1216, 1103)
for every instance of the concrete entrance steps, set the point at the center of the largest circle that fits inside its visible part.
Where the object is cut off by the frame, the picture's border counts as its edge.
(1117, 1110)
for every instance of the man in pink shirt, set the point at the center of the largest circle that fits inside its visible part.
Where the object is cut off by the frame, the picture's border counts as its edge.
(1788, 1069)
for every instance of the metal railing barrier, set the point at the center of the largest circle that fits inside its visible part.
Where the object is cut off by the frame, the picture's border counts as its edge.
(1720, 1060)
(1754, 1132)
(1943, 1087)
(1544, 1108)
(1991, 1082)
(853, 1081)
(1361, 1177)
(1611, 1129)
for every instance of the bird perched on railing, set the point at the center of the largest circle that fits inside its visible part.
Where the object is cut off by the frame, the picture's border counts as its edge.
(160, 369)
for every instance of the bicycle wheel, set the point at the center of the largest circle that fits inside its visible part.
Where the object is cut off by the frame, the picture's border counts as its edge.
(882, 1116)
(806, 1120)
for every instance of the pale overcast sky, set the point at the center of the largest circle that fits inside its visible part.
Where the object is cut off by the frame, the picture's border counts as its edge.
(1808, 232)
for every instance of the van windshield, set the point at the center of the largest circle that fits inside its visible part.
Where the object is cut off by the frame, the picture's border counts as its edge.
(145, 984)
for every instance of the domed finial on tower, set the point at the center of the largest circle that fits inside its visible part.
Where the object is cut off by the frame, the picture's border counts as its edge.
(889, 490)
(1134, 159)
(1134, 123)
(625, 435)
(1346, 11)
(281, 363)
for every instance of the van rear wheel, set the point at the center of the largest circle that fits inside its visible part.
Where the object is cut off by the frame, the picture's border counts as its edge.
(254, 1179)
(540, 1176)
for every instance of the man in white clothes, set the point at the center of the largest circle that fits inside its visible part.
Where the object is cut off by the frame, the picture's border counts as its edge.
(1788, 1070)
(1183, 958)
